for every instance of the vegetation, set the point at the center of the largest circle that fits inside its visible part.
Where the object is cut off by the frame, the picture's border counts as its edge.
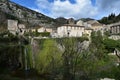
(112, 18)
(111, 44)
(3, 22)
(69, 61)
(48, 58)
(44, 34)
(36, 34)
(8, 56)
(107, 34)
(86, 19)
(62, 58)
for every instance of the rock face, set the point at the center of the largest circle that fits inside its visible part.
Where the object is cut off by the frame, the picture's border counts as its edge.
(15, 11)
(62, 20)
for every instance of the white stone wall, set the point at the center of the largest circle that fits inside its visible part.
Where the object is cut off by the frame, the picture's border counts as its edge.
(13, 26)
(115, 37)
(21, 29)
(72, 30)
(80, 23)
(42, 29)
(88, 32)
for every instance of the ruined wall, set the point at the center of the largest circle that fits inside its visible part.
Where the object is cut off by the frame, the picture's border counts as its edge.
(13, 26)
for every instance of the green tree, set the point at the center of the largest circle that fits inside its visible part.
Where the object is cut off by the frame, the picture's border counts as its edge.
(71, 51)
(48, 59)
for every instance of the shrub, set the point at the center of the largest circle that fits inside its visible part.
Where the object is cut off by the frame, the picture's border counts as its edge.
(44, 34)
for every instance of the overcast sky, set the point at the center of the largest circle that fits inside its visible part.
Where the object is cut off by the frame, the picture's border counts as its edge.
(73, 8)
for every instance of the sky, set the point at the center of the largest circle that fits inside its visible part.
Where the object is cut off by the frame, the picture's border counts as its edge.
(73, 8)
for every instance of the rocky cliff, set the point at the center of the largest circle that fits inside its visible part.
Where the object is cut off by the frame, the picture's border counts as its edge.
(11, 10)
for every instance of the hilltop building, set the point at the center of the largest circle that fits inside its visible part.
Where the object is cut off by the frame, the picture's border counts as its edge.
(80, 23)
(69, 30)
(21, 29)
(80, 28)
(95, 25)
(114, 28)
(45, 29)
(15, 28)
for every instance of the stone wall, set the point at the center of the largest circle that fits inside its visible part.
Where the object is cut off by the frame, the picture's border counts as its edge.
(13, 26)
(115, 37)
(114, 28)
(70, 31)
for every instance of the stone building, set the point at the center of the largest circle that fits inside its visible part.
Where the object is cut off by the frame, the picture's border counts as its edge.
(21, 29)
(80, 23)
(114, 28)
(69, 30)
(87, 32)
(95, 25)
(45, 29)
(15, 28)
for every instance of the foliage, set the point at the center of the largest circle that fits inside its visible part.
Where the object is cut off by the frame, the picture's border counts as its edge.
(102, 63)
(111, 44)
(48, 58)
(10, 50)
(42, 34)
(9, 53)
(71, 51)
(112, 18)
(29, 56)
(86, 19)
(70, 61)
(107, 33)
(8, 37)
(64, 58)
(81, 39)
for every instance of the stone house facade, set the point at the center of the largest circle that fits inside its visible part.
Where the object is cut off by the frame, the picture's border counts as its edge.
(114, 28)
(45, 29)
(70, 30)
(15, 28)
(95, 25)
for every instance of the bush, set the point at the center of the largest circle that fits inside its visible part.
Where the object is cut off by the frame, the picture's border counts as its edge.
(45, 34)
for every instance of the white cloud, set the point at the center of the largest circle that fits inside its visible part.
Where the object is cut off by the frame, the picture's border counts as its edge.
(109, 6)
(80, 9)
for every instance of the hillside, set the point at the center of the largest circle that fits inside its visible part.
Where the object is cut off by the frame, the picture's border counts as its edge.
(62, 20)
(112, 18)
(11, 10)
(86, 19)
